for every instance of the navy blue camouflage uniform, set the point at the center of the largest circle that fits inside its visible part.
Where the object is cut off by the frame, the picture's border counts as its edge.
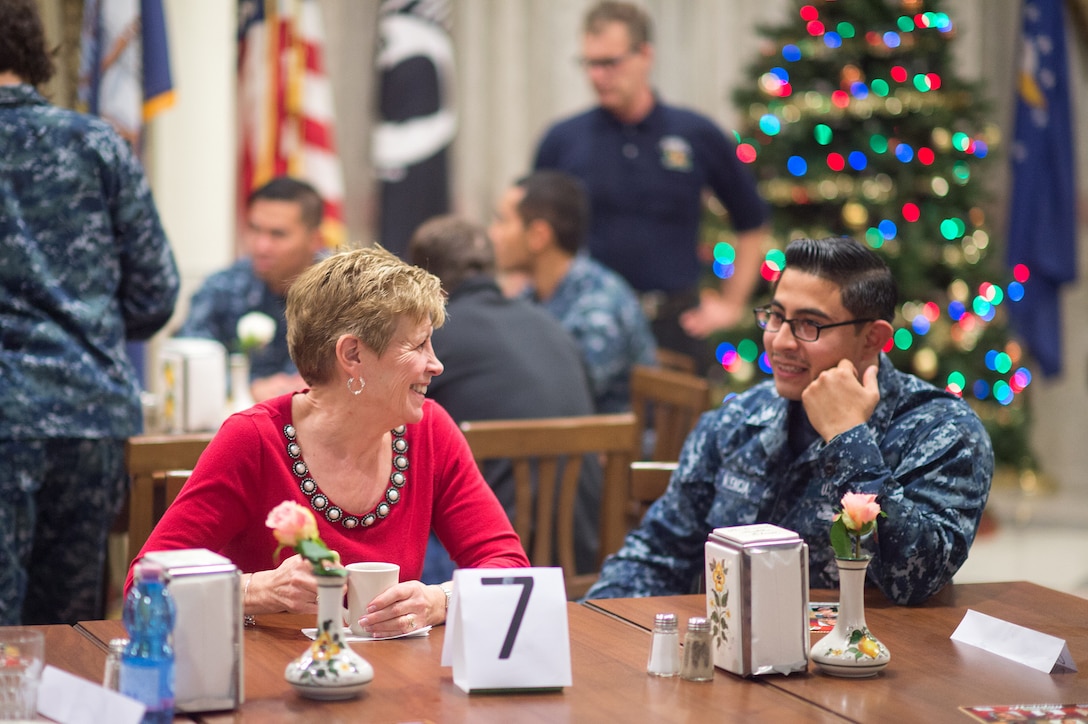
(924, 453)
(597, 307)
(227, 296)
(84, 266)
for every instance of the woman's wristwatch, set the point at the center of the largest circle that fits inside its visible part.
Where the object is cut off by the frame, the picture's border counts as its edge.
(447, 588)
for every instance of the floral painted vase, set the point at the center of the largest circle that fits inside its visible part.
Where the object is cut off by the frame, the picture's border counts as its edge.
(329, 669)
(850, 649)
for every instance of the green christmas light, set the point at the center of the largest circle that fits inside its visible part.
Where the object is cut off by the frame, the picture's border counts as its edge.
(724, 252)
(903, 338)
(748, 350)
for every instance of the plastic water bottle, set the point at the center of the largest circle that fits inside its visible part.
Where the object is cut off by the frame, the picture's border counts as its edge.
(147, 664)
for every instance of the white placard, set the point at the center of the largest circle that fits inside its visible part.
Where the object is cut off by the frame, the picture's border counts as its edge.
(507, 629)
(1023, 645)
(68, 699)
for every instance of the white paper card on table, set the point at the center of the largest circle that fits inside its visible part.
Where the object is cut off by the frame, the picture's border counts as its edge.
(69, 699)
(1023, 645)
(507, 629)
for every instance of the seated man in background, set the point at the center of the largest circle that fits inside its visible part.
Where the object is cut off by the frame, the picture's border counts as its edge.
(283, 238)
(504, 359)
(838, 418)
(539, 227)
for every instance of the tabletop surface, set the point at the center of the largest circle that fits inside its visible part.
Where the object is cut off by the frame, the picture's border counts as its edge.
(608, 659)
(929, 675)
(928, 679)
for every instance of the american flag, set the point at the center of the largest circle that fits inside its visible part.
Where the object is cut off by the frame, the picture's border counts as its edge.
(286, 123)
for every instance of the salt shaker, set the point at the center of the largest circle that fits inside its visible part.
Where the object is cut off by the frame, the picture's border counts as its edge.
(698, 666)
(664, 646)
(111, 676)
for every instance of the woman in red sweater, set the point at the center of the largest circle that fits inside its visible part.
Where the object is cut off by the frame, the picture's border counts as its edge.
(378, 463)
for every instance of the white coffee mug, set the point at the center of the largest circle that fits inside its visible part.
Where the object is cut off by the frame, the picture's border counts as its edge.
(365, 581)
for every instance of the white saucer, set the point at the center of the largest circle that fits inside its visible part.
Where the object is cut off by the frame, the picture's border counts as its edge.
(329, 693)
(348, 637)
(850, 671)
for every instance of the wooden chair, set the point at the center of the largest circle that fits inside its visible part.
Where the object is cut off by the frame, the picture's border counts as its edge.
(672, 360)
(557, 446)
(669, 403)
(649, 478)
(158, 466)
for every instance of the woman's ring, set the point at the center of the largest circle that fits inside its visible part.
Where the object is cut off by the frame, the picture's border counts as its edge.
(411, 621)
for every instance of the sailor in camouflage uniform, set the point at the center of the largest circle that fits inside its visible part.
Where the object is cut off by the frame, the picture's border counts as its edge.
(539, 227)
(84, 265)
(283, 238)
(837, 418)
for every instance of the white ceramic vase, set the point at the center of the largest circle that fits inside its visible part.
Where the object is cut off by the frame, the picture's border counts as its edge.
(328, 669)
(850, 649)
(240, 397)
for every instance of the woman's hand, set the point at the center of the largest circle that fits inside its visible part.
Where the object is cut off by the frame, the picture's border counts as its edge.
(291, 587)
(403, 608)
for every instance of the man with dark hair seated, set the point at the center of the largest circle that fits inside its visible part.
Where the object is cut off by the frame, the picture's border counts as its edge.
(838, 418)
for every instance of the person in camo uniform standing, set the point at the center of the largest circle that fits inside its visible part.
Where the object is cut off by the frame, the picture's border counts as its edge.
(84, 266)
(837, 418)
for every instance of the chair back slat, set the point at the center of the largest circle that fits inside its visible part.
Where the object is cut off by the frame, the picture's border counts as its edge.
(669, 403)
(158, 466)
(649, 479)
(553, 449)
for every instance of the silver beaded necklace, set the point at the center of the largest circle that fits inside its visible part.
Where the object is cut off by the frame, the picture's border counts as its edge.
(333, 513)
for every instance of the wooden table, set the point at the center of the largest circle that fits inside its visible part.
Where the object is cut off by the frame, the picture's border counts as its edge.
(68, 649)
(929, 676)
(609, 672)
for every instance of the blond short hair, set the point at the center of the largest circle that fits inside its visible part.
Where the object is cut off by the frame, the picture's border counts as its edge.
(364, 293)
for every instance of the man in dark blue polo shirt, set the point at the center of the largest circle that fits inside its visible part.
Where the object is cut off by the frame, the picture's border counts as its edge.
(645, 165)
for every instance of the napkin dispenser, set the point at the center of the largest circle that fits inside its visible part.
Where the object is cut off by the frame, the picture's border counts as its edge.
(208, 666)
(192, 376)
(757, 599)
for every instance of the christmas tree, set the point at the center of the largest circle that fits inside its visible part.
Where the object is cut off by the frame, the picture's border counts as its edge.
(856, 124)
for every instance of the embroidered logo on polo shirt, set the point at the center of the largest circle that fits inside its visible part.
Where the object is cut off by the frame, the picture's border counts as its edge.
(675, 153)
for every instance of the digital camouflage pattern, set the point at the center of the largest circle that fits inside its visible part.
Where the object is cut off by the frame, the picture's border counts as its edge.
(603, 315)
(51, 571)
(227, 296)
(924, 452)
(84, 266)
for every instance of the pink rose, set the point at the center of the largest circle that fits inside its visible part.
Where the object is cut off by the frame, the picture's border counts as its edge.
(858, 510)
(291, 524)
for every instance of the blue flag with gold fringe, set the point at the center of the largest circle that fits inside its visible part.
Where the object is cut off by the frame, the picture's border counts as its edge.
(1042, 214)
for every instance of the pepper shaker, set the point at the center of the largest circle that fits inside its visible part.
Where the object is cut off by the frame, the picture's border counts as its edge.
(698, 665)
(664, 646)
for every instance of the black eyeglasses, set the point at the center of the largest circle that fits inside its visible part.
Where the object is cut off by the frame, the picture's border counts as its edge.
(804, 330)
(605, 63)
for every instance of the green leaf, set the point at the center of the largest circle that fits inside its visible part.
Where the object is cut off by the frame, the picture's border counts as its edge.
(840, 539)
(314, 551)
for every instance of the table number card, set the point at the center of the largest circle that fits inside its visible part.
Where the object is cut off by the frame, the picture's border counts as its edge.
(507, 629)
(1040, 651)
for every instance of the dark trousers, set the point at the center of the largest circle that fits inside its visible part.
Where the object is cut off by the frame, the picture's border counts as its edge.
(58, 499)
(663, 309)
